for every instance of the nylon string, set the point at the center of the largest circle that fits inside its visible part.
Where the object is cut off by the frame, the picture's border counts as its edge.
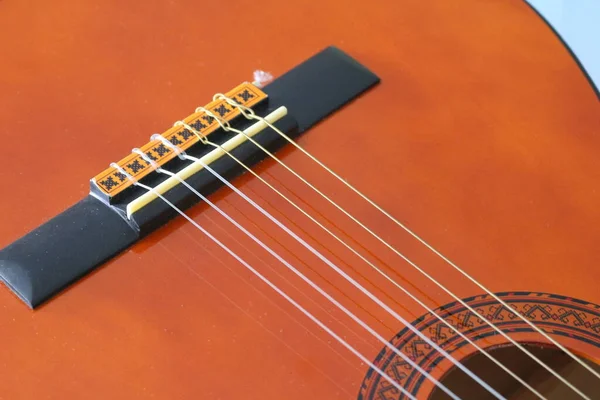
(248, 314)
(319, 255)
(269, 283)
(308, 266)
(279, 275)
(361, 257)
(296, 271)
(249, 113)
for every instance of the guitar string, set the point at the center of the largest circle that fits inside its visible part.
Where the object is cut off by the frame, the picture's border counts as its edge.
(249, 138)
(303, 232)
(267, 282)
(226, 126)
(351, 249)
(295, 289)
(260, 292)
(325, 219)
(256, 320)
(296, 271)
(307, 266)
(313, 251)
(286, 280)
(249, 113)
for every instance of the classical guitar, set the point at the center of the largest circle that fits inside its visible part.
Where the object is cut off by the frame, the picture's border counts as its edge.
(268, 200)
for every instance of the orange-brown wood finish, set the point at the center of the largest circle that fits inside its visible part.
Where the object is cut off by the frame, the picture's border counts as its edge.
(483, 138)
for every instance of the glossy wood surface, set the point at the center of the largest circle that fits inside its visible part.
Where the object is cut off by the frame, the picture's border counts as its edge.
(483, 137)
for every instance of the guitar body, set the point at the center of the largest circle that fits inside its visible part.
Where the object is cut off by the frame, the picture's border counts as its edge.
(482, 138)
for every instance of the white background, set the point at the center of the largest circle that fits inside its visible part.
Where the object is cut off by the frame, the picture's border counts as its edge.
(578, 22)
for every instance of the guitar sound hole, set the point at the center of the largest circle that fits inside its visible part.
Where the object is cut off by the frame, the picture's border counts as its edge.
(527, 369)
